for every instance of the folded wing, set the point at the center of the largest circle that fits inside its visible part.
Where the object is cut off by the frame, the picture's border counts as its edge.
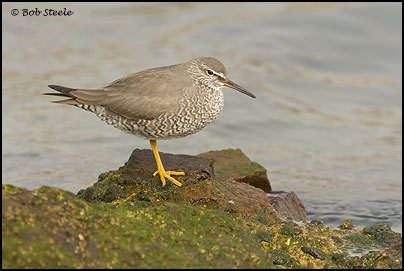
(143, 95)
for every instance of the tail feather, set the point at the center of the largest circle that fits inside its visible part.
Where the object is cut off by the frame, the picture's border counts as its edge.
(63, 92)
(56, 94)
(61, 89)
(67, 101)
(77, 96)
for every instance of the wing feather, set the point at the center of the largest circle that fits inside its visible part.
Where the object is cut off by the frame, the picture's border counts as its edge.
(142, 95)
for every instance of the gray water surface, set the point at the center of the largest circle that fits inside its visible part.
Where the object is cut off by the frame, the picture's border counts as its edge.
(327, 121)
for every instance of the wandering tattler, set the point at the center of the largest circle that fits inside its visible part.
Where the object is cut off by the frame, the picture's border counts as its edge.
(159, 103)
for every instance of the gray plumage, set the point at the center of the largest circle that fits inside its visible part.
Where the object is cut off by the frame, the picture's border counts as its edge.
(159, 103)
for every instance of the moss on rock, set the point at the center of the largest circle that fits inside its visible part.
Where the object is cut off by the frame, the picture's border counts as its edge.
(128, 220)
(57, 230)
(234, 164)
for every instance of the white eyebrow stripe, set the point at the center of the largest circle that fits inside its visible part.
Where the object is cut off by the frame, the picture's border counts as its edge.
(219, 74)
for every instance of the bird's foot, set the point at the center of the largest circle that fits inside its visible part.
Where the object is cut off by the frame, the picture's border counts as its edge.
(167, 174)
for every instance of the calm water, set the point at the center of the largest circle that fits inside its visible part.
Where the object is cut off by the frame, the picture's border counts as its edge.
(327, 121)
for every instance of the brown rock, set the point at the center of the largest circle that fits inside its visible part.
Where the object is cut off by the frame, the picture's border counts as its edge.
(142, 165)
(135, 182)
(288, 205)
(230, 196)
(135, 178)
(235, 165)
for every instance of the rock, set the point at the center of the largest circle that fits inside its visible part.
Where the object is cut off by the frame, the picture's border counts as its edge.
(264, 236)
(337, 240)
(382, 233)
(288, 205)
(346, 225)
(51, 228)
(280, 257)
(315, 252)
(316, 222)
(230, 196)
(235, 165)
(374, 229)
(290, 229)
(390, 258)
(128, 220)
(142, 164)
(135, 182)
(135, 179)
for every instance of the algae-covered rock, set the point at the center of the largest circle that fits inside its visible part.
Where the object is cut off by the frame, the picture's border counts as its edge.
(235, 165)
(135, 182)
(135, 179)
(51, 228)
(316, 246)
(280, 257)
(315, 252)
(229, 196)
(127, 219)
(346, 224)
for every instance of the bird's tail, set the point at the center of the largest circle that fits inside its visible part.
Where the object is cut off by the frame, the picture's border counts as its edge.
(63, 92)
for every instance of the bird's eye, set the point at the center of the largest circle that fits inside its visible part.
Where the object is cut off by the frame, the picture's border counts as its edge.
(209, 72)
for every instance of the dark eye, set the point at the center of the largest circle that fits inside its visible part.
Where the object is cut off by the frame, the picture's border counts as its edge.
(209, 72)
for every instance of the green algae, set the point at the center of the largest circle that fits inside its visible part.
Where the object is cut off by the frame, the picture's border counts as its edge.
(264, 236)
(236, 164)
(315, 252)
(357, 238)
(11, 189)
(129, 220)
(373, 229)
(70, 233)
(290, 230)
(54, 229)
(180, 236)
(280, 257)
(241, 168)
(346, 224)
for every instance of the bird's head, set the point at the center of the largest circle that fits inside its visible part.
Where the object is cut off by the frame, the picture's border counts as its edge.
(211, 73)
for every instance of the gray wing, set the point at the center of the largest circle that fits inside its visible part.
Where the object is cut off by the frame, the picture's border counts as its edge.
(142, 95)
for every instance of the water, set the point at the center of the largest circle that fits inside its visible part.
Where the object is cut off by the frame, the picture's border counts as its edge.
(327, 121)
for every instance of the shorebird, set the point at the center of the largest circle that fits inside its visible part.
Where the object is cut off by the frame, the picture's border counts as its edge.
(160, 103)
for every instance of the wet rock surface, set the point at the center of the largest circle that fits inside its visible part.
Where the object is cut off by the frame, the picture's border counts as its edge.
(135, 182)
(128, 220)
(235, 165)
(288, 205)
(346, 225)
(135, 179)
(51, 228)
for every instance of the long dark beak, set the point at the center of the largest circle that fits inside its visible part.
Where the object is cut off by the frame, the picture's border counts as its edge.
(231, 84)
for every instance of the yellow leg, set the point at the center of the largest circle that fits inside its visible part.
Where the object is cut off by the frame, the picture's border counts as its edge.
(160, 168)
